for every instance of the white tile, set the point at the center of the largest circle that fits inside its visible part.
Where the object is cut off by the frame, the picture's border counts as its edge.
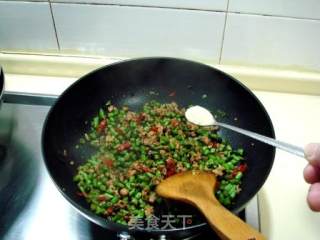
(273, 41)
(133, 31)
(220, 5)
(289, 8)
(26, 26)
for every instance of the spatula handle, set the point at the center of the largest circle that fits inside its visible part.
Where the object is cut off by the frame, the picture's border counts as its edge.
(227, 225)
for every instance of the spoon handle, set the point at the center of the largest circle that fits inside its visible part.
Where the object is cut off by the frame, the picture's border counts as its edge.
(279, 144)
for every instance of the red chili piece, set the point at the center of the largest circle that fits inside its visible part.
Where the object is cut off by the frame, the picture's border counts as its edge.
(81, 194)
(241, 168)
(174, 122)
(141, 117)
(102, 198)
(171, 167)
(108, 163)
(124, 146)
(109, 211)
(214, 144)
(172, 94)
(154, 129)
(102, 126)
(145, 168)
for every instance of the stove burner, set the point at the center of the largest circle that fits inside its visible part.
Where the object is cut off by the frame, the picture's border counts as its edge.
(31, 206)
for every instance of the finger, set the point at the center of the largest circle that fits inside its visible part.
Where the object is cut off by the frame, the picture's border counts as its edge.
(312, 153)
(314, 197)
(311, 174)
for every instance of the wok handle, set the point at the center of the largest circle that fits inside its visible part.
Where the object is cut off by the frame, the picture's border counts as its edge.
(1, 84)
(276, 143)
(125, 236)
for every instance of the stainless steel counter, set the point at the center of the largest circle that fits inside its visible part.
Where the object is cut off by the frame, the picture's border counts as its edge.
(31, 207)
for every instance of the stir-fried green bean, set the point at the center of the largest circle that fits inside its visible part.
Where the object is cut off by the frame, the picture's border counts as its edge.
(136, 151)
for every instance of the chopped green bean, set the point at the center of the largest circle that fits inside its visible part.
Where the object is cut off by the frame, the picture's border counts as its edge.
(137, 150)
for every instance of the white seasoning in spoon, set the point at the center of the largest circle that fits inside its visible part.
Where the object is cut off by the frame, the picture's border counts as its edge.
(199, 116)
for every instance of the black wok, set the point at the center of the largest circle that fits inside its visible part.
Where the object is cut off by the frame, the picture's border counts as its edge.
(133, 83)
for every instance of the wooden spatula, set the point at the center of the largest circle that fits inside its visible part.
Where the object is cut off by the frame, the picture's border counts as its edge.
(196, 188)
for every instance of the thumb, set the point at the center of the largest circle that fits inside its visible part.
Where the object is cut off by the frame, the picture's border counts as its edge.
(312, 153)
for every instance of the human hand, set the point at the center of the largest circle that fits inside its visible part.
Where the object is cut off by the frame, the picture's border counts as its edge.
(312, 175)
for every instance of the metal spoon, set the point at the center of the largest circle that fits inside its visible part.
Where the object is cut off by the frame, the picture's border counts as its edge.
(201, 116)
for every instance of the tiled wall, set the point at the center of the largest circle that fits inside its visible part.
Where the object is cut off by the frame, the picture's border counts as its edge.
(283, 33)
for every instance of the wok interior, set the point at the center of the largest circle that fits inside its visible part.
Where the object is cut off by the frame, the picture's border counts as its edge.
(136, 82)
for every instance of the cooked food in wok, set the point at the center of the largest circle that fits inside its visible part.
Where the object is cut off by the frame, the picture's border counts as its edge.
(135, 151)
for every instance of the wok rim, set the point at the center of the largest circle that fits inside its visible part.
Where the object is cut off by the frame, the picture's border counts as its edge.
(108, 224)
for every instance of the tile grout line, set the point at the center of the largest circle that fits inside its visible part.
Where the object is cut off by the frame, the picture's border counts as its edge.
(259, 213)
(167, 7)
(178, 8)
(224, 32)
(45, 54)
(276, 16)
(137, 6)
(54, 26)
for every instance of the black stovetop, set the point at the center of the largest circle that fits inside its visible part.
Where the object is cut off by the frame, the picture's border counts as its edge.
(31, 206)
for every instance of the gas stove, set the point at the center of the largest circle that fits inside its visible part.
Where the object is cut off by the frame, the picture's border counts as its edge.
(31, 206)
